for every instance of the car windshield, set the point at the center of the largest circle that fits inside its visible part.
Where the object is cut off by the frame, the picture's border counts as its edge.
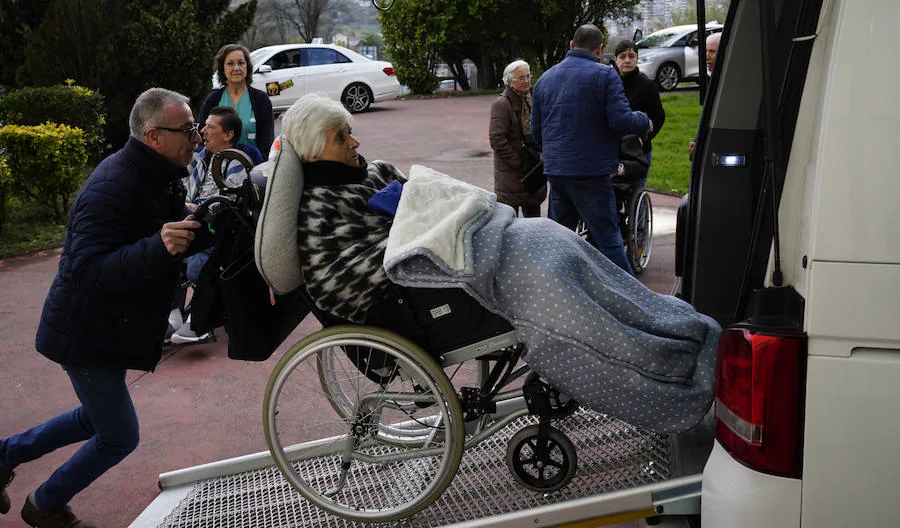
(257, 55)
(660, 39)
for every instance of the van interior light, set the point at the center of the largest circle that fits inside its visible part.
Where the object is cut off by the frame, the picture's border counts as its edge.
(731, 160)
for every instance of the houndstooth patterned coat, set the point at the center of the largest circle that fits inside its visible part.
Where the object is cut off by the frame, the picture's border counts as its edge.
(342, 240)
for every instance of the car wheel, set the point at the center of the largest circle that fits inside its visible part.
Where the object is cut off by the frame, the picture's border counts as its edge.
(357, 98)
(667, 76)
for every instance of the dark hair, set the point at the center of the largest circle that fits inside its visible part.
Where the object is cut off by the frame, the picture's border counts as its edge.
(625, 45)
(219, 63)
(588, 37)
(229, 120)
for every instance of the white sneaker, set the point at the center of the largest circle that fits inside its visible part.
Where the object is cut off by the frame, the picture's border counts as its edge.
(186, 335)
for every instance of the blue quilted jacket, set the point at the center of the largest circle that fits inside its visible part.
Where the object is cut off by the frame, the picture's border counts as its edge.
(579, 113)
(109, 302)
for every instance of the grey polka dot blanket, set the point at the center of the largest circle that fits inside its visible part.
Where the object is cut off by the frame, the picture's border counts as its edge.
(590, 329)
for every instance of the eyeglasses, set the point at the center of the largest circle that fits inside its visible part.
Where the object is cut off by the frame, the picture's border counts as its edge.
(191, 132)
(523, 78)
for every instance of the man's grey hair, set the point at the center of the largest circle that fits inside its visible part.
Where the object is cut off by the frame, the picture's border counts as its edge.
(307, 121)
(588, 37)
(150, 108)
(713, 37)
(512, 67)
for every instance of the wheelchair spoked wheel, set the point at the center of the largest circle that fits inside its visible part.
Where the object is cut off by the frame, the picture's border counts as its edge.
(541, 464)
(640, 237)
(391, 447)
(332, 365)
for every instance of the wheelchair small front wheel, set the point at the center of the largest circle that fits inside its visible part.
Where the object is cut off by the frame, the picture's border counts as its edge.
(541, 464)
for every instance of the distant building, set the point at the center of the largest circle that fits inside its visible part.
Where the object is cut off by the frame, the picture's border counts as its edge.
(650, 15)
(659, 12)
(340, 39)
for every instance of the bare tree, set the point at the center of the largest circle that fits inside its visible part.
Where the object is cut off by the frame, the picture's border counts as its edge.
(273, 25)
(307, 14)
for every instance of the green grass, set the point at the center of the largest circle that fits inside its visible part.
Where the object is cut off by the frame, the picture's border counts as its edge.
(671, 168)
(27, 230)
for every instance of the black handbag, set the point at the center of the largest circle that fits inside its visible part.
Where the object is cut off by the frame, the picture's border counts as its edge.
(231, 293)
(533, 165)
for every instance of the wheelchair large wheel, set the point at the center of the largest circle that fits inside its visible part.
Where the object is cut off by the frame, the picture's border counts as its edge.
(355, 461)
(342, 391)
(640, 237)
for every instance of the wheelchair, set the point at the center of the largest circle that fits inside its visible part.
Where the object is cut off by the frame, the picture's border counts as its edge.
(370, 422)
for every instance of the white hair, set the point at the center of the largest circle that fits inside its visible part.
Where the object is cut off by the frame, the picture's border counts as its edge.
(511, 67)
(151, 106)
(713, 37)
(307, 121)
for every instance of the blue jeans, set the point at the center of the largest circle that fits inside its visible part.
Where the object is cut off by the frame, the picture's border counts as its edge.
(106, 420)
(195, 264)
(591, 199)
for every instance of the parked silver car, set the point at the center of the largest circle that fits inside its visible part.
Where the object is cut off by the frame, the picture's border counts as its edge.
(669, 56)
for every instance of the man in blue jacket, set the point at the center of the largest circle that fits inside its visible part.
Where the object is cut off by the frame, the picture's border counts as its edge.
(579, 114)
(106, 309)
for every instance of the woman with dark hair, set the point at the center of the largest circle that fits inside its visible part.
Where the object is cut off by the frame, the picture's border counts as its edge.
(234, 74)
(642, 93)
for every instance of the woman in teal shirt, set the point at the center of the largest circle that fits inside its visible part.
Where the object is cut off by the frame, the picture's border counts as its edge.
(234, 73)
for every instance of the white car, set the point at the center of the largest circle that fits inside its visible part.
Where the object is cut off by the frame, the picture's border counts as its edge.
(669, 56)
(288, 71)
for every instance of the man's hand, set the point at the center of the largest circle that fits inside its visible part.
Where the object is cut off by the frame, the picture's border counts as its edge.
(691, 147)
(177, 236)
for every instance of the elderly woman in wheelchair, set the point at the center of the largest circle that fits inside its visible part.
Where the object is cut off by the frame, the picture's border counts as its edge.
(432, 296)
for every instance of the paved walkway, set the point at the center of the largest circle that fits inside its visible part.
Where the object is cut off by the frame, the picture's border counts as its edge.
(199, 406)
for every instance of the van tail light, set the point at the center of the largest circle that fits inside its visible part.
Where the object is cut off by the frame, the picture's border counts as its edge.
(389, 71)
(760, 387)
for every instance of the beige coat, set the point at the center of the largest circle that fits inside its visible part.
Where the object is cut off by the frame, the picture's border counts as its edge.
(506, 141)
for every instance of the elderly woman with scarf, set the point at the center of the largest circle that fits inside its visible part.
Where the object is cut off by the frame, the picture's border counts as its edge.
(510, 127)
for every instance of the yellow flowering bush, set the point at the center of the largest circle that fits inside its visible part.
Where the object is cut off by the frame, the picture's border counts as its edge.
(46, 163)
(5, 181)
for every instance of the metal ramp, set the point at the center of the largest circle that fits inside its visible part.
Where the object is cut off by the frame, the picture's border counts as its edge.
(615, 462)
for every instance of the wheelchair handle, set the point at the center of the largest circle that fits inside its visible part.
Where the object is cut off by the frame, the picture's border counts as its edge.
(231, 154)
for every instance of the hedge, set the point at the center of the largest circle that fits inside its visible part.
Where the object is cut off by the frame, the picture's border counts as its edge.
(46, 163)
(68, 104)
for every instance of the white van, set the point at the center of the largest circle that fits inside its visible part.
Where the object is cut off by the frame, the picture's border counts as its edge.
(798, 120)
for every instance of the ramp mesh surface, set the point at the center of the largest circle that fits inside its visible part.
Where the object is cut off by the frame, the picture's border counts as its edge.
(612, 455)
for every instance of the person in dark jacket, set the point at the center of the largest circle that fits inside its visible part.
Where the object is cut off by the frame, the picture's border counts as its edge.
(107, 306)
(511, 127)
(234, 72)
(642, 93)
(579, 113)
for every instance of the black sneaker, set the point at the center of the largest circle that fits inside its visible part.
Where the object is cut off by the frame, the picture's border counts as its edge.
(50, 517)
(6, 477)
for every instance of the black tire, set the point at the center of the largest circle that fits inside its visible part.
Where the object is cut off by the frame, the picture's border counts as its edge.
(640, 231)
(357, 98)
(539, 472)
(668, 76)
